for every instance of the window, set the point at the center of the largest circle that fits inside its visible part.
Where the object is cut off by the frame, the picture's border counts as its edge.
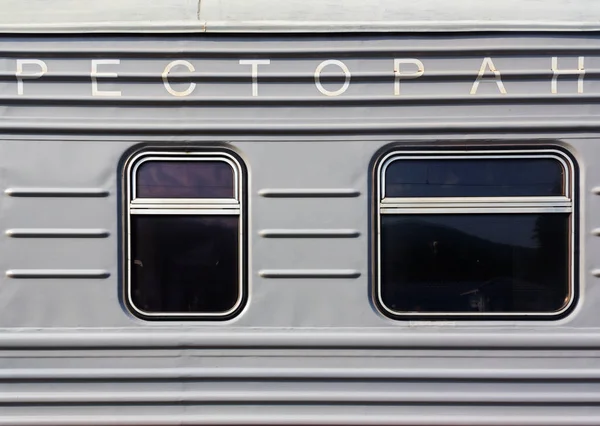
(484, 233)
(185, 235)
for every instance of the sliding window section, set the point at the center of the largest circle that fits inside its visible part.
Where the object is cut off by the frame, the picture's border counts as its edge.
(185, 241)
(479, 235)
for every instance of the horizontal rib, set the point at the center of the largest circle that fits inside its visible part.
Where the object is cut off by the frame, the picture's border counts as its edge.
(57, 273)
(57, 233)
(309, 233)
(545, 99)
(292, 27)
(364, 397)
(56, 192)
(309, 273)
(297, 419)
(188, 50)
(292, 77)
(309, 193)
(558, 340)
(116, 126)
(313, 374)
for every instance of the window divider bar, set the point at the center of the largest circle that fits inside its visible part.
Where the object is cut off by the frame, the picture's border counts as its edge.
(474, 200)
(171, 206)
(497, 203)
(191, 201)
(473, 210)
(475, 205)
(185, 211)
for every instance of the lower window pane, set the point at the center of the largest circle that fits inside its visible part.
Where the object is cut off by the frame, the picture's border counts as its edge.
(186, 264)
(503, 263)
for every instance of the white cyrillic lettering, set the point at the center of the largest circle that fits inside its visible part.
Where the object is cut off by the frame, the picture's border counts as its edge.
(30, 76)
(96, 74)
(165, 78)
(580, 71)
(255, 63)
(399, 75)
(344, 69)
(488, 64)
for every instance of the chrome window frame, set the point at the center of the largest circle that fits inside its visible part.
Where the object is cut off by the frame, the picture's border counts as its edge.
(477, 205)
(234, 206)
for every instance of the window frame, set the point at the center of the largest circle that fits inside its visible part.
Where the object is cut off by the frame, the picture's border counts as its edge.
(235, 206)
(567, 203)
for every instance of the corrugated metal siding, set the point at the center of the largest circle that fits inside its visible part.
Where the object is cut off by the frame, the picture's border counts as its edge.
(288, 99)
(307, 350)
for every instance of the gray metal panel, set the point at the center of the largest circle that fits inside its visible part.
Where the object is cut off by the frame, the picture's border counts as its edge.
(391, 15)
(104, 16)
(156, 16)
(309, 348)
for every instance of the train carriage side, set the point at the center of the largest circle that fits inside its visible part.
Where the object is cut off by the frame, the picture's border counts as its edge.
(339, 229)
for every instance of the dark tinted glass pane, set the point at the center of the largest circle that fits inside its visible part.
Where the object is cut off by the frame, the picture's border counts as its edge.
(474, 178)
(475, 263)
(184, 263)
(185, 179)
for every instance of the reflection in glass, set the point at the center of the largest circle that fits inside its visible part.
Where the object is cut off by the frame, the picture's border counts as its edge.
(185, 179)
(475, 178)
(184, 263)
(475, 263)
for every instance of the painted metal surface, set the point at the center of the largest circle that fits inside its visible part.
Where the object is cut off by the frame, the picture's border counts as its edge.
(291, 16)
(310, 347)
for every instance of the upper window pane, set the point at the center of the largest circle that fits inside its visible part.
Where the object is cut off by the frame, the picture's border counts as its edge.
(185, 179)
(481, 177)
